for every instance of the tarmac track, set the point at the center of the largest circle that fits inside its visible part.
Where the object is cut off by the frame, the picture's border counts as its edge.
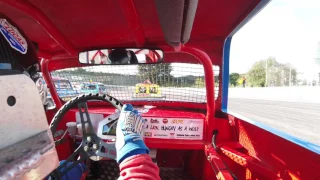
(300, 119)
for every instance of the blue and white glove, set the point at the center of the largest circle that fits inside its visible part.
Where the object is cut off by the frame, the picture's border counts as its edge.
(130, 130)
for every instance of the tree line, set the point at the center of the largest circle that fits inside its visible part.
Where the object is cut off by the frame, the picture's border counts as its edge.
(160, 74)
(266, 73)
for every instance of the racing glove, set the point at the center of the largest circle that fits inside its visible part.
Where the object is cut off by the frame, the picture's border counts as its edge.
(130, 129)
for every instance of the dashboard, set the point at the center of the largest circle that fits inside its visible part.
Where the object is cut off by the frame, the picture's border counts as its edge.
(161, 124)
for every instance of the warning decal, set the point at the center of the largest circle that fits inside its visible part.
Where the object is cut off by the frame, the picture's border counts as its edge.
(174, 128)
(12, 35)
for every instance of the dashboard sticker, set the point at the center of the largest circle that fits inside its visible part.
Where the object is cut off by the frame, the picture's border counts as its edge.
(174, 128)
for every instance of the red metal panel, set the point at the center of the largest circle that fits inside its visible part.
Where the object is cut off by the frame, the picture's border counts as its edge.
(185, 105)
(133, 21)
(284, 157)
(175, 144)
(217, 164)
(153, 112)
(47, 77)
(247, 161)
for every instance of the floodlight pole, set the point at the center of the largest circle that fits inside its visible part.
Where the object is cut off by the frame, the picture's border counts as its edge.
(266, 83)
(290, 78)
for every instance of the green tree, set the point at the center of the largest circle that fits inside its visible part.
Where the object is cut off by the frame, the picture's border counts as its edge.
(234, 77)
(199, 82)
(278, 74)
(80, 70)
(156, 73)
(257, 74)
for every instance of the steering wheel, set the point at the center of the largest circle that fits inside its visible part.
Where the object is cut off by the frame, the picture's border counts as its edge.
(91, 145)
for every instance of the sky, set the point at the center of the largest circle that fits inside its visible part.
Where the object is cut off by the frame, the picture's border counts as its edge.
(288, 30)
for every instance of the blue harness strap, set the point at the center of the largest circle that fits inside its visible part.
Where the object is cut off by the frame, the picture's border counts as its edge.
(74, 173)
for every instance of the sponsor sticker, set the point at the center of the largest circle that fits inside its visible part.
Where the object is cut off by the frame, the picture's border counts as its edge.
(195, 121)
(148, 134)
(155, 121)
(154, 127)
(175, 128)
(13, 36)
(66, 98)
(177, 121)
(160, 135)
(165, 121)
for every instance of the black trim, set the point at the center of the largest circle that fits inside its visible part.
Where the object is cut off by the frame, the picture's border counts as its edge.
(5, 72)
(214, 136)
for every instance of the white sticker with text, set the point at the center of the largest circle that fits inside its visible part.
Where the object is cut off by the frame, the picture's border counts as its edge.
(174, 128)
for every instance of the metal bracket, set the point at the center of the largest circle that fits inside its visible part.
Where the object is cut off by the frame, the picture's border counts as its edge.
(23, 159)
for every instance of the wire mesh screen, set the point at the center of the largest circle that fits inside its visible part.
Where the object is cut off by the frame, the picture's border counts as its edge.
(148, 82)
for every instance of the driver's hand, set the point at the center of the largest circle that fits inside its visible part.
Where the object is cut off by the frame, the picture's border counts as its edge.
(130, 129)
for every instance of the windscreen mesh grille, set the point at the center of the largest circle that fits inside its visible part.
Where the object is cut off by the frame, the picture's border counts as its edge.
(148, 82)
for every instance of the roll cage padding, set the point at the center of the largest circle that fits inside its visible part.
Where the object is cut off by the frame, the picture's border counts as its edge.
(176, 19)
(82, 98)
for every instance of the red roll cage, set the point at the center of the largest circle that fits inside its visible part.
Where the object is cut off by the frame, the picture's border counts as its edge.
(62, 29)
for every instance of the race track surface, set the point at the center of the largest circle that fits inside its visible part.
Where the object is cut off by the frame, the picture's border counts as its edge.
(300, 119)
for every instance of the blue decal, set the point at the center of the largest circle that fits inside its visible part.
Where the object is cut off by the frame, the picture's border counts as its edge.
(13, 37)
(225, 73)
(5, 66)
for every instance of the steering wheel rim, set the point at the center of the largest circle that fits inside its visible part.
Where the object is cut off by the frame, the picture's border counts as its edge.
(70, 104)
(91, 144)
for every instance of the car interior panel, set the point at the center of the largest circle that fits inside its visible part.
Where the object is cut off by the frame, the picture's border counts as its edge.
(168, 59)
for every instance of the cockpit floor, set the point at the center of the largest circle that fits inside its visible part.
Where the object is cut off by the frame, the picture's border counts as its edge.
(109, 170)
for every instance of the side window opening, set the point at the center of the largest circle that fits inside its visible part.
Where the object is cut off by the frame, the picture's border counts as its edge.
(275, 69)
(91, 87)
(102, 87)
